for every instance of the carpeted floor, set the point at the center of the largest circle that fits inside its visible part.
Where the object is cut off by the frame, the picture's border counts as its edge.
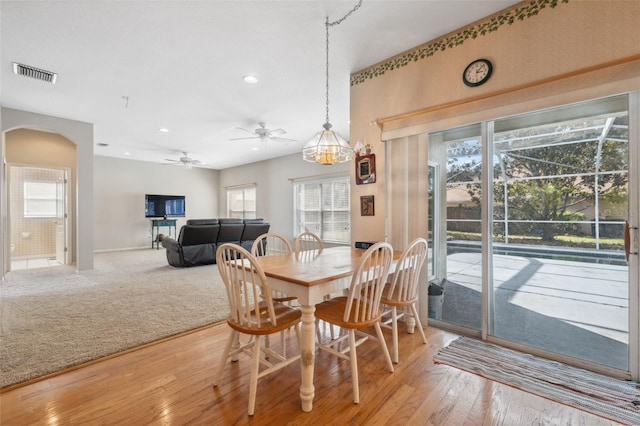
(604, 396)
(54, 318)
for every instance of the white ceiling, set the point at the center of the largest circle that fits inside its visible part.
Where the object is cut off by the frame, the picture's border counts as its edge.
(180, 65)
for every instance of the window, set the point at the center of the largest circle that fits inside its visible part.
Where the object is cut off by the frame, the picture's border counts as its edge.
(241, 202)
(324, 208)
(39, 199)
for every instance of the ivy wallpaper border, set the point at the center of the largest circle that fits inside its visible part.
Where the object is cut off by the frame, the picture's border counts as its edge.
(483, 28)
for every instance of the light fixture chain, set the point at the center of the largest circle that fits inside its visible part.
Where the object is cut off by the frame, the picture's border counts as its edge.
(327, 25)
(339, 21)
(327, 72)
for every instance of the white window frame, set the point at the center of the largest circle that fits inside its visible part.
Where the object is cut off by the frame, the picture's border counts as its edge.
(247, 209)
(319, 227)
(40, 199)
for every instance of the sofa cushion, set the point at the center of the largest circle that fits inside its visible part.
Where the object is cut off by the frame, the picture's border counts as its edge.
(191, 235)
(230, 220)
(259, 220)
(202, 221)
(230, 231)
(253, 231)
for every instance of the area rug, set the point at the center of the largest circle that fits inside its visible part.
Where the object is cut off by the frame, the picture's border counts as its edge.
(55, 318)
(603, 396)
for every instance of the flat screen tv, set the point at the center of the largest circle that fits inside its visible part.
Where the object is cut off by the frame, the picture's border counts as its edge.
(163, 205)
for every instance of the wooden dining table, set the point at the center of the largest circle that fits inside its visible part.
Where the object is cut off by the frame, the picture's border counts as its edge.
(310, 276)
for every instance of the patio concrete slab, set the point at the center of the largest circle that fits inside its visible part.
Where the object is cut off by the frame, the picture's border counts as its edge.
(573, 308)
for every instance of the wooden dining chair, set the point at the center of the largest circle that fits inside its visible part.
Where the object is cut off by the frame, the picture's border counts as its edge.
(272, 244)
(252, 312)
(309, 242)
(401, 293)
(359, 310)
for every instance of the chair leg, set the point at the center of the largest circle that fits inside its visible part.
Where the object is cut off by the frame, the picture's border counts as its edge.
(394, 333)
(225, 355)
(383, 345)
(283, 343)
(318, 336)
(253, 383)
(236, 344)
(297, 330)
(354, 366)
(418, 323)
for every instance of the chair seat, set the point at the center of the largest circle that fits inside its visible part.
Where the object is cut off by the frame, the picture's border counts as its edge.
(285, 316)
(395, 299)
(332, 311)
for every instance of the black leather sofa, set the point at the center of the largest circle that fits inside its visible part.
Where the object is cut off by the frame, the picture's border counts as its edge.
(199, 239)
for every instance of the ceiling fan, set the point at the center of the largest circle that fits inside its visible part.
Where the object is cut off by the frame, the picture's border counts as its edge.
(263, 134)
(185, 160)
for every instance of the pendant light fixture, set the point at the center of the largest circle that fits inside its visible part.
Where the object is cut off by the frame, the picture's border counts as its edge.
(328, 147)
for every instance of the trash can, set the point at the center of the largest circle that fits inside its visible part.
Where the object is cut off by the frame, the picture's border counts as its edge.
(436, 298)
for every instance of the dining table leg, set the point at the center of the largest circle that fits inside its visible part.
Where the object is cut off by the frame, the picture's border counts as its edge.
(307, 356)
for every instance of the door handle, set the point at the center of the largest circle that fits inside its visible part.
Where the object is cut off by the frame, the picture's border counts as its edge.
(630, 232)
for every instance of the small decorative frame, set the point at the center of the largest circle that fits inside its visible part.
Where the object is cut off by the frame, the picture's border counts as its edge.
(367, 207)
(365, 169)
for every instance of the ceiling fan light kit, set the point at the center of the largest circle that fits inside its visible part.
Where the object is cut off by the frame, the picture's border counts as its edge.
(185, 161)
(328, 147)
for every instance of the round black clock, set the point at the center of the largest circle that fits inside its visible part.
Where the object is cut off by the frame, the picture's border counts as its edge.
(477, 72)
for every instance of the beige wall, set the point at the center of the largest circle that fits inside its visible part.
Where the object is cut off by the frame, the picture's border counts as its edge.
(576, 51)
(24, 146)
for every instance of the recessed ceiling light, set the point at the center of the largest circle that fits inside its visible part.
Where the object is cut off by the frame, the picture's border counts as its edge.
(126, 153)
(255, 148)
(250, 79)
(164, 130)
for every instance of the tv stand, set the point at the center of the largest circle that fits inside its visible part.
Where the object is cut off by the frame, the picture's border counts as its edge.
(156, 224)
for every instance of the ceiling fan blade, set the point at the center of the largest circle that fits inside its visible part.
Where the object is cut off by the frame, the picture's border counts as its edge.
(248, 131)
(277, 132)
(172, 161)
(239, 139)
(196, 162)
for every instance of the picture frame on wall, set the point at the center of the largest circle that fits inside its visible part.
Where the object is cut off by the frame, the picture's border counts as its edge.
(367, 206)
(365, 169)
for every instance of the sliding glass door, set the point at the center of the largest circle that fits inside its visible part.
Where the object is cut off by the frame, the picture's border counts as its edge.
(560, 202)
(535, 215)
(459, 154)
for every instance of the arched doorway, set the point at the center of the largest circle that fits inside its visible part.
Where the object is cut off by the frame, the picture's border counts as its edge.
(81, 135)
(39, 199)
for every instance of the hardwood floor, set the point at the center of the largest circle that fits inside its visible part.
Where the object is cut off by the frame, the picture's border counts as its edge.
(170, 383)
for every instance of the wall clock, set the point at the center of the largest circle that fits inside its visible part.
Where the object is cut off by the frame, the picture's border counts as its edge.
(477, 72)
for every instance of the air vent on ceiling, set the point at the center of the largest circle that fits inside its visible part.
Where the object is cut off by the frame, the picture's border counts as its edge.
(38, 74)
